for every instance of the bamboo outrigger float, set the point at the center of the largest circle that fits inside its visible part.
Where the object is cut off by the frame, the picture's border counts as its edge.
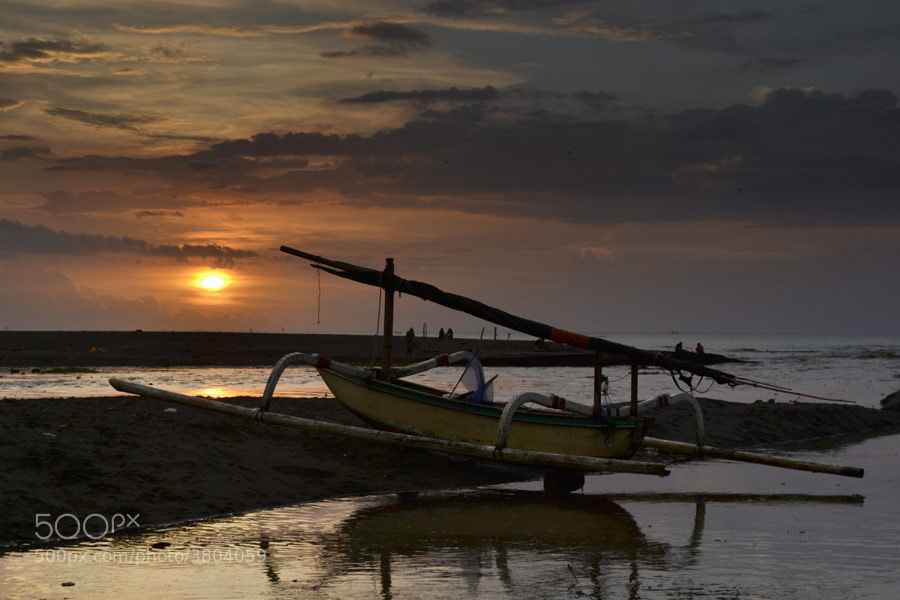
(567, 437)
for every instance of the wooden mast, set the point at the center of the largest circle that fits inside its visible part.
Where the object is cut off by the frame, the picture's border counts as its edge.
(388, 318)
(598, 386)
(634, 389)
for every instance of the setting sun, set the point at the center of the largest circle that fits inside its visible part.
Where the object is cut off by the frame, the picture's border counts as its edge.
(212, 281)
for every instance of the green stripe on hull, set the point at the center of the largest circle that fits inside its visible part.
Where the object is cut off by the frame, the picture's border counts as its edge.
(419, 410)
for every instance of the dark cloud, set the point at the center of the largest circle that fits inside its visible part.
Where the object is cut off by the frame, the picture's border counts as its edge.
(200, 165)
(595, 100)
(220, 256)
(176, 53)
(477, 8)
(390, 33)
(21, 138)
(778, 63)
(134, 123)
(9, 104)
(747, 16)
(464, 115)
(535, 95)
(339, 53)
(688, 26)
(20, 152)
(475, 100)
(799, 154)
(426, 96)
(157, 213)
(714, 32)
(294, 144)
(143, 191)
(34, 49)
(17, 239)
(117, 121)
(384, 51)
(195, 173)
(394, 39)
(733, 33)
(454, 8)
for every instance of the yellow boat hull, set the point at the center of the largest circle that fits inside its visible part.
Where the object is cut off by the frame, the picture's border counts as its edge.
(417, 410)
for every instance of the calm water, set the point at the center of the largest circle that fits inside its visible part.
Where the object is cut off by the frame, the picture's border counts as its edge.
(776, 534)
(628, 536)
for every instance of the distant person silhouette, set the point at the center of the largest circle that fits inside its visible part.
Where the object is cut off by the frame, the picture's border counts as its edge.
(410, 336)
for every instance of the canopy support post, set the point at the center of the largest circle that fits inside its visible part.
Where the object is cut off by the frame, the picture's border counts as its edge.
(388, 318)
(598, 386)
(634, 389)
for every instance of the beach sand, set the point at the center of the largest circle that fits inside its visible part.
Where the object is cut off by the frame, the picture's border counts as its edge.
(128, 455)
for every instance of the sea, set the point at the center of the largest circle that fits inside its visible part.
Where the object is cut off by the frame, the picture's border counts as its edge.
(860, 368)
(712, 529)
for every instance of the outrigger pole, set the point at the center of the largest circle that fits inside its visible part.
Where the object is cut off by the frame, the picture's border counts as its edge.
(511, 455)
(636, 356)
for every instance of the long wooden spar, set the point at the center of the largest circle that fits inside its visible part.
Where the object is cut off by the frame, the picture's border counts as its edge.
(511, 455)
(502, 318)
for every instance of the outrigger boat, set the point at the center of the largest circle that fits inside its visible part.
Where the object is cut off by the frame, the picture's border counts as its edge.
(567, 437)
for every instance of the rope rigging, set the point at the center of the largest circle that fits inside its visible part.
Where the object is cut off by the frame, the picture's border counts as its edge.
(377, 325)
(502, 318)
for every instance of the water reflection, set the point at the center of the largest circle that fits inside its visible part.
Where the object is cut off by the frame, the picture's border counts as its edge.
(486, 543)
(496, 536)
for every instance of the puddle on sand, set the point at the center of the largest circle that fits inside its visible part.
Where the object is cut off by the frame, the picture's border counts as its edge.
(753, 533)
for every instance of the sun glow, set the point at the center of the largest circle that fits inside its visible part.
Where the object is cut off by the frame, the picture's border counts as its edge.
(212, 281)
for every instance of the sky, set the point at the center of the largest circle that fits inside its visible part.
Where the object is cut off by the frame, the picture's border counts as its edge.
(602, 166)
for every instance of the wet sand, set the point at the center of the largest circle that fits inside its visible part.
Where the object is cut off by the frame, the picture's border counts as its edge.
(128, 455)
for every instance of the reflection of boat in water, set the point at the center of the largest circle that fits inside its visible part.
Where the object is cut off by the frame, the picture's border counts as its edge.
(527, 541)
(521, 538)
(516, 519)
